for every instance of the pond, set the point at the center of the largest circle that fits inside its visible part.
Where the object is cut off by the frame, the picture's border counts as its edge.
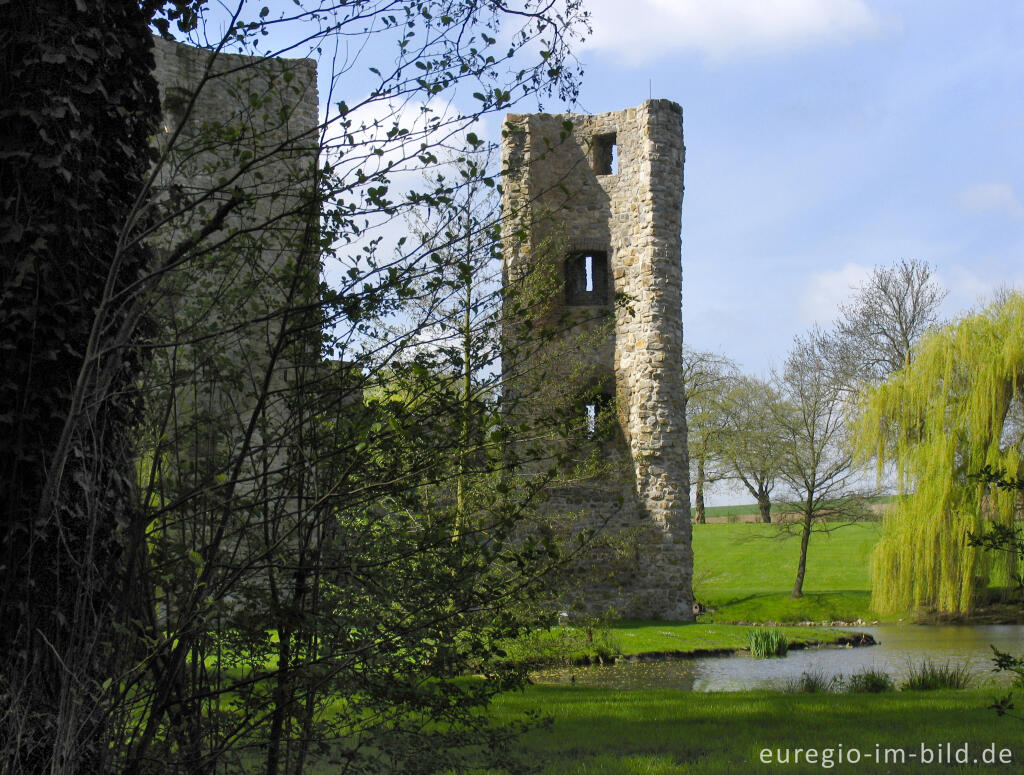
(898, 647)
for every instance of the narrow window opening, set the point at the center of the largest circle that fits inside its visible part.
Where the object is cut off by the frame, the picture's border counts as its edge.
(586, 278)
(605, 154)
(598, 416)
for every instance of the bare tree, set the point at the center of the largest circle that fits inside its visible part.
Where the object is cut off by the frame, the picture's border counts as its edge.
(749, 443)
(705, 377)
(888, 314)
(816, 462)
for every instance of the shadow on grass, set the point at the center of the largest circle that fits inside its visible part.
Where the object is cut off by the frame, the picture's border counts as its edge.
(840, 605)
(656, 731)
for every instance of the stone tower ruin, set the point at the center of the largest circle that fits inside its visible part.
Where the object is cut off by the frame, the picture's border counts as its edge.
(238, 333)
(596, 200)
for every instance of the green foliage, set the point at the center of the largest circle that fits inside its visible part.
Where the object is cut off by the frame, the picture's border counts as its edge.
(944, 417)
(767, 642)
(928, 675)
(1004, 539)
(292, 567)
(566, 645)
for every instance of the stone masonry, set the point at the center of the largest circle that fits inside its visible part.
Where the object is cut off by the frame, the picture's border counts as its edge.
(239, 143)
(607, 190)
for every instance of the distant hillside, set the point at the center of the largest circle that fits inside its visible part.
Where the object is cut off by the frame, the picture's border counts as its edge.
(748, 512)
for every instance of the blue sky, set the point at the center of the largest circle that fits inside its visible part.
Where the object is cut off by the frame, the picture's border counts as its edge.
(824, 137)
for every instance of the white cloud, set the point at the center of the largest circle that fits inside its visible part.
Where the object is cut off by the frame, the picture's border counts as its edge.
(640, 30)
(972, 288)
(825, 291)
(994, 198)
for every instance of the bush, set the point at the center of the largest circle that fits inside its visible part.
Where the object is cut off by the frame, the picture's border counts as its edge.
(813, 682)
(565, 645)
(767, 642)
(928, 675)
(870, 681)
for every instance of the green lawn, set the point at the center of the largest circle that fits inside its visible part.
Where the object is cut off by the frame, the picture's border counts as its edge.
(745, 572)
(750, 509)
(570, 644)
(607, 732)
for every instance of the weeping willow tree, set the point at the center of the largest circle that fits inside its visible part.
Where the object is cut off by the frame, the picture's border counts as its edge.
(956, 408)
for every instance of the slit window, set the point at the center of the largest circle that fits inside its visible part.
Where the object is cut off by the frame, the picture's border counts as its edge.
(605, 151)
(598, 416)
(586, 278)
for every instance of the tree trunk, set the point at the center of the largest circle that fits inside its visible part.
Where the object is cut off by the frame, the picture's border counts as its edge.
(699, 496)
(805, 537)
(764, 505)
(282, 701)
(81, 104)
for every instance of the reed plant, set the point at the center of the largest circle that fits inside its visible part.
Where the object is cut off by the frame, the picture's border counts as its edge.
(768, 642)
(928, 675)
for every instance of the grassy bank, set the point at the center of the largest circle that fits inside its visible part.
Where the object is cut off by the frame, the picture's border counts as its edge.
(575, 645)
(605, 732)
(745, 572)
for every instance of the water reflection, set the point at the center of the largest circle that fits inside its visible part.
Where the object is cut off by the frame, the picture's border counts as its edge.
(899, 646)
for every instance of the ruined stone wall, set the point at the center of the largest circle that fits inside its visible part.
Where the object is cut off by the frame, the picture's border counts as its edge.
(560, 190)
(237, 257)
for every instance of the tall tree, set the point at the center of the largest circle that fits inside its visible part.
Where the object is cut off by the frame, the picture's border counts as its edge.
(78, 105)
(889, 313)
(705, 378)
(750, 440)
(133, 651)
(953, 412)
(816, 461)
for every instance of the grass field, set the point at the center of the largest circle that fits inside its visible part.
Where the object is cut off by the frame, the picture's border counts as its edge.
(750, 509)
(605, 732)
(744, 572)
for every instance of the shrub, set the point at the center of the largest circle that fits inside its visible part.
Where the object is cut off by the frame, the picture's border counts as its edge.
(927, 675)
(814, 682)
(767, 642)
(870, 680)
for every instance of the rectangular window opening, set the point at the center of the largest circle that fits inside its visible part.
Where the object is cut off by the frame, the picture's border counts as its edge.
(591, 410)
(605, 154)
(586, 278)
